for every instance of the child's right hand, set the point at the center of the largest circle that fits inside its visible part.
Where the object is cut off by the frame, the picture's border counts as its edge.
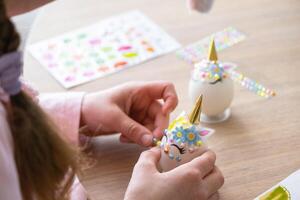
(199, 179)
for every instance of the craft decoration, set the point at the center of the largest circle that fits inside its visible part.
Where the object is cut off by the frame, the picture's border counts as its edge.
(195, 52)
(214, 80)
(288, 189)
(183, 140)
(103, 48)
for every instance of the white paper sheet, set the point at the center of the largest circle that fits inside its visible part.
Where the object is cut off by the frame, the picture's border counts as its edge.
(103, 48)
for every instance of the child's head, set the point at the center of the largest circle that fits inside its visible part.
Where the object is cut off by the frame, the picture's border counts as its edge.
(42, 158)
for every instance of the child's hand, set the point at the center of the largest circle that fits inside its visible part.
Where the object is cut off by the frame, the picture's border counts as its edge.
(132, 109)
(198, 179)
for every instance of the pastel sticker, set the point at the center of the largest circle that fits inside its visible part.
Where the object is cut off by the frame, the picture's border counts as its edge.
(123, 48)
(120, 64)
(130, 55)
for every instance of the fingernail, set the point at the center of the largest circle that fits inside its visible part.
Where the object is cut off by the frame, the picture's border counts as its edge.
(147, 139)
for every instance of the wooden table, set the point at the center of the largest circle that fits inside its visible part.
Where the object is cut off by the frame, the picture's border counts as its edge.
(260, 144)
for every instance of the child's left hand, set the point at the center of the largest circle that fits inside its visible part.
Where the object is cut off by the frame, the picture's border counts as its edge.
(132, 109)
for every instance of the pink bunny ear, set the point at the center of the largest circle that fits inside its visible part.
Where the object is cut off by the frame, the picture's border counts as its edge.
(206, 132)
(228, 66)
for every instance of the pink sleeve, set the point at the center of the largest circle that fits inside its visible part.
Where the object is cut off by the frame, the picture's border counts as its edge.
(9, 181)
(64, 109)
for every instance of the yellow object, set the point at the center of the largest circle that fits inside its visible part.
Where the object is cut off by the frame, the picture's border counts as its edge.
(194, 117)
(130, 54)
(199, 143)
(279, 193)
(212, 56)
(217, 70)
(181, 120)
(179, 134)
(217, 76)
(191, 136)
(158, 143)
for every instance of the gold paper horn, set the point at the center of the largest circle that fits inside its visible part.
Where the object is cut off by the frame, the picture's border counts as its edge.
(194, 117)
(212, 56)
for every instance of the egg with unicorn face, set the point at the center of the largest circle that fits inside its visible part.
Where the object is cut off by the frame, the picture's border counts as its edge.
(182, 141)
(210, 78)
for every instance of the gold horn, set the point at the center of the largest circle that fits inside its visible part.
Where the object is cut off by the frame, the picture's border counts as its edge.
(212, 56)
(194, 117)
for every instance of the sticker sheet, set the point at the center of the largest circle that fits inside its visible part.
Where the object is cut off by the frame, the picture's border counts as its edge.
(104, 48)
(288, 189)
(195, 52)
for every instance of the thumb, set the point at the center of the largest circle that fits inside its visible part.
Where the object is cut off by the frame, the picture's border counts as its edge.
(149, 159)
(199, 166)
(134, 131)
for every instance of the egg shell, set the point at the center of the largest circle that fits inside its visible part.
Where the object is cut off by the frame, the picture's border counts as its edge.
(216, 97)
(167, 164)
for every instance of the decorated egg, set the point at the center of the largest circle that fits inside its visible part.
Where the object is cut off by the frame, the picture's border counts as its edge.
(183, 140)
(210, 78)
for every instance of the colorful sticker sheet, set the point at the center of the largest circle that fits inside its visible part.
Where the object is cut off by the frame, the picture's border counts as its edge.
(197, 51)
(288, 189)
(103, 48)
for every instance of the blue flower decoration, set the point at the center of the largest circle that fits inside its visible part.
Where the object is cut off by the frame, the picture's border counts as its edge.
(179, 134)
(214, 71)
(186, 135)
(192, 136)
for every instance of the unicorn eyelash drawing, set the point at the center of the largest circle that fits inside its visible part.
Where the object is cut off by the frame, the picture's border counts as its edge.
(184, 139)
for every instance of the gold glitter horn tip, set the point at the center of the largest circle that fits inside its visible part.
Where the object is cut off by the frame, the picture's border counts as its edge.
(212, 55)
(194, 117)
